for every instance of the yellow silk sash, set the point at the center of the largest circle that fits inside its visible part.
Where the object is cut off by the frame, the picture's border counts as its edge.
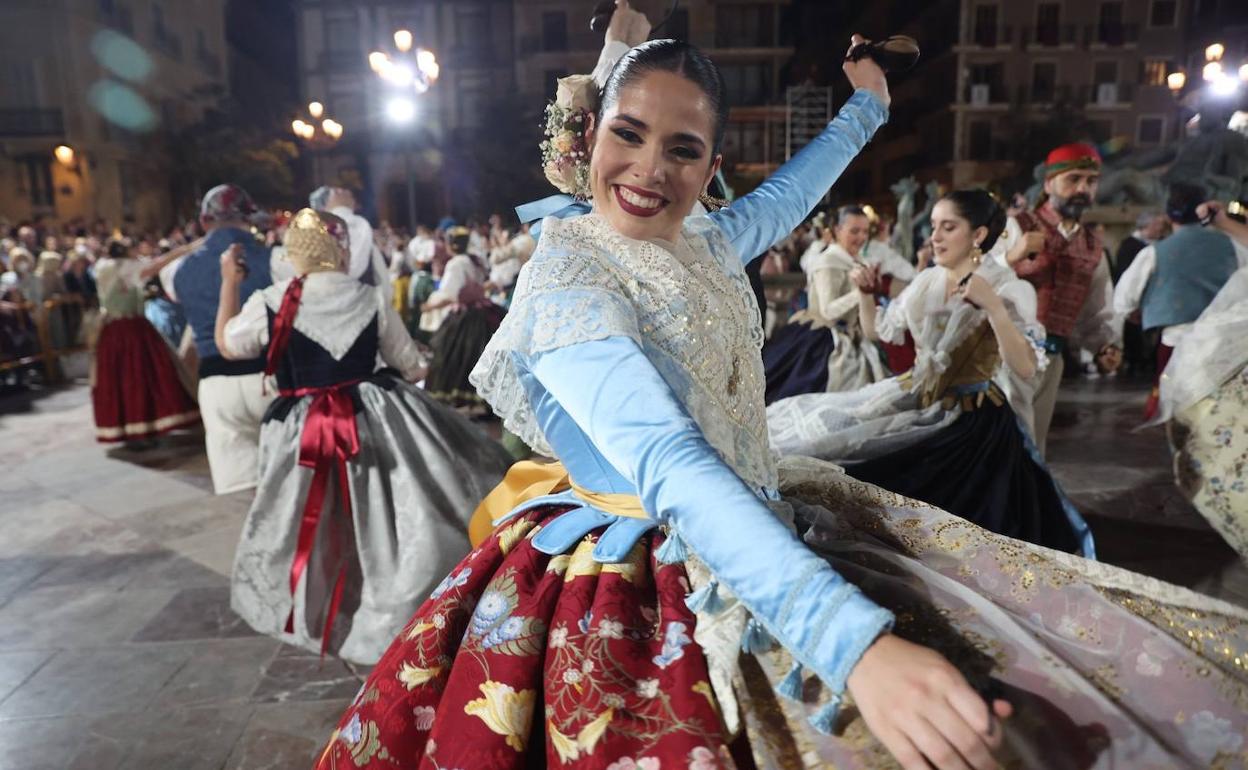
(528, 480)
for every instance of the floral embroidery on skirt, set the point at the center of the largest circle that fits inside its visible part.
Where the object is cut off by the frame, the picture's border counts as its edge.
(520, 659)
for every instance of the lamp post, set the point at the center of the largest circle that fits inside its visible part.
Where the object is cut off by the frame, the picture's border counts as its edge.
(320, 131)
(409, 72)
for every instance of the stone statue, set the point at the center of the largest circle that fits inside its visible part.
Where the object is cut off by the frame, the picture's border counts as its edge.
(923, 220)
(903, 233)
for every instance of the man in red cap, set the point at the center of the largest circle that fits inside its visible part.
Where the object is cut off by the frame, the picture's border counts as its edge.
(1065, 262)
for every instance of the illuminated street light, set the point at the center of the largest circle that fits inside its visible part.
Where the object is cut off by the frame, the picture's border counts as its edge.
(1212, 71)
(316, 110)
(1176, 80)
(64, 155)
(401, 109)
(332, 128)
(1224, 85)
(1215, 52)
(403, 40)
(377, 61)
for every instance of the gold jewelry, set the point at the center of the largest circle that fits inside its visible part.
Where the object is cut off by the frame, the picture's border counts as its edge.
(977, 256)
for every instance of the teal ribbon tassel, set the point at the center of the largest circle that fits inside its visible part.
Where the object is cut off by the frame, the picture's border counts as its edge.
(791, 685)
(705, 599)
(756, 640)
(673, 550)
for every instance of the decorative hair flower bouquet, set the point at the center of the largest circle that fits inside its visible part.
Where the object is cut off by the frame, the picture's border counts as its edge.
(565, 151)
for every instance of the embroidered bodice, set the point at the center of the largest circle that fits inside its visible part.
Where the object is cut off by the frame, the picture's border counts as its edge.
(688, 305)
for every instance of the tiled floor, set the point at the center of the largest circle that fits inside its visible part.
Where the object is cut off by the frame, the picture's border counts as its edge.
(118, 648)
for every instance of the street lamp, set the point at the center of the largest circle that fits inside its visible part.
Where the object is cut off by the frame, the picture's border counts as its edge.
(1175, 81)
(409, 72)
(321, 130)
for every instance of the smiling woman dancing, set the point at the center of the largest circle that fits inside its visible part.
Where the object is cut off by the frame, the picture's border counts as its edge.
(568, 637)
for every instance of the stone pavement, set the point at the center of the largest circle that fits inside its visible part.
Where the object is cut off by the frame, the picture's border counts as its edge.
(118, 648)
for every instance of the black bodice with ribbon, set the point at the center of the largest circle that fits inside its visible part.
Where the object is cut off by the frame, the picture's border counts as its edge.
(330, 438)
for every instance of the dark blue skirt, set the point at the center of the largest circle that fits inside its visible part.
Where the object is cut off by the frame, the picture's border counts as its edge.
(795, 360)
(981, 469)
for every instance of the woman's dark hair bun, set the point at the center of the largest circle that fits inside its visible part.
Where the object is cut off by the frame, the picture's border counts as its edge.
(981, 209)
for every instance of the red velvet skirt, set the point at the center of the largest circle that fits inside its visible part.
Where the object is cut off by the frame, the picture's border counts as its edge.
(520, 659)
(137, 393)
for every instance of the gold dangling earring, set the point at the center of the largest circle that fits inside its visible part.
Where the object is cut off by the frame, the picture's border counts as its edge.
(977, 256)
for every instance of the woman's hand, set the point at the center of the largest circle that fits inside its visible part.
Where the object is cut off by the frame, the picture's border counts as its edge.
(628, 26)
(866, 74)
(233, 268)
(979, 293)
(865, 278)
(922, 709)
(1031, 243)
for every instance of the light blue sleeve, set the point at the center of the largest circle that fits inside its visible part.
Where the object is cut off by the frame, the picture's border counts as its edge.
(626, 409)
(762, 218)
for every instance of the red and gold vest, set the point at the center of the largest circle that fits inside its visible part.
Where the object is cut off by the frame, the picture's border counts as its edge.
(1061, 272)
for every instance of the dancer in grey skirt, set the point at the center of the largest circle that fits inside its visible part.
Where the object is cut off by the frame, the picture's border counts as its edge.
(366, 483)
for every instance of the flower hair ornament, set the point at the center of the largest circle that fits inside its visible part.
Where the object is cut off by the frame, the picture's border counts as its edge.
(565, 150)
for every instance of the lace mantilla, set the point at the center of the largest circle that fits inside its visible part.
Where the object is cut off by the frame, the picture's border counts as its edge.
(690, 308)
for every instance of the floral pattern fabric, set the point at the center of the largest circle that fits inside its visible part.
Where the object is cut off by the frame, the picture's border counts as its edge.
(520, 659)
(1210, 443)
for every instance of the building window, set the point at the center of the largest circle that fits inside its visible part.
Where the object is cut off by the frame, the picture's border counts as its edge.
(554, 31)
(989, 80)
(1150, 130)
(1110, 30)
(979, 140)
(1104, 72)
(342, 33)
(747, 84)
(1153, 72)
(1048, 23)
(986, 25)
(37, 175)
(472, 27)
(1163, 13)
(1043, 81)
(750, 25)
(1101, 130)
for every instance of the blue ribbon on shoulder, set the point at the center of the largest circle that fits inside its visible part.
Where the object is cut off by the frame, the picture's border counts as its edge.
(561, 206)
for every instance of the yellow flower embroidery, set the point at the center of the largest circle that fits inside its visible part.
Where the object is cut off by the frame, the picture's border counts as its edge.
(583, 561)
(505, 711)
(703, 688)
(559, 564)
(508, 538)
(586, 740)
(414, 676)
(417, 630)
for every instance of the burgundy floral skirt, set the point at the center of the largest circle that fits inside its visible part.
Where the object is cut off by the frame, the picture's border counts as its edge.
(137, 393)
(520, 659)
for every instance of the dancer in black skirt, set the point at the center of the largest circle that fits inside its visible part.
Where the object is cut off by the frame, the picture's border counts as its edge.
(953, 431)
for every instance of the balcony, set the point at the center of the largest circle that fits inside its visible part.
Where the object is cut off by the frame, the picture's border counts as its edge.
(31, 122)
(1112, 35)
(1050, 35)
(343, 61)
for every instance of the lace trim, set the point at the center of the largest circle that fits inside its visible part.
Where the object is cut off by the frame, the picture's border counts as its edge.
(335, 311)
(690, 308)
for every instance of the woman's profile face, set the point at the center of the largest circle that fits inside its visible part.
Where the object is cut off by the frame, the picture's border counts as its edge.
(652, 156)
(952, 236)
